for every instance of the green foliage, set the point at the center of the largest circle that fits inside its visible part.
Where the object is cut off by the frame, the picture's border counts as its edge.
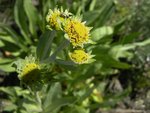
(68, 87)
(44, 46)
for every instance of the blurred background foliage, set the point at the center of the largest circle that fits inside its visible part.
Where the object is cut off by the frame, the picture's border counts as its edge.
(118, 79)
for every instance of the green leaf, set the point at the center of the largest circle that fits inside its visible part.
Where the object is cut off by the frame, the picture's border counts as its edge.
(79, 109)
(32, 15)
(5, 60)
(111, 100)
(103, 56)
(57, 103)
(20, 19)
(63, 45)
(8, 90)
(119, 25)
(101, 32)
(17, 39)
(76, 109)
(44, 45)
(13, 91)
(121, 51)
(108, 61)
(54, 94)
(31, 107)
(7, 68)
(100, 15)
(88, 91)
(7, 38)
(106, 11)
(69, 65)
(129, 38)
(10, 106)
(6, 65)
(10, 47)
(54, 99)
(2, 44)
(92, 5)
(93, 14)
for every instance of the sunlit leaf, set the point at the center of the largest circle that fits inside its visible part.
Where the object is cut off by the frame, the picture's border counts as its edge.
(6, 65)
(101, 32)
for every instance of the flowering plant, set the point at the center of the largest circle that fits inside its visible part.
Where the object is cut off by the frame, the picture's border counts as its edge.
(63, 65)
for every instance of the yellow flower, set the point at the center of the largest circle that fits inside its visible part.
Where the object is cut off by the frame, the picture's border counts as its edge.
(79, 56)
(28, 69)
(54, 19)
(30, 73)
(77, 32)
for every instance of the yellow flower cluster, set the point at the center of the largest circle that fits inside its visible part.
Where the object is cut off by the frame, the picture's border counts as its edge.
(75, 31)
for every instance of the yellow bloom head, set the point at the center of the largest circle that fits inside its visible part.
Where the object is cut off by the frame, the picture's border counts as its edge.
(80, 56)
(28, 69)
(77, 32)
(54, 19)
(30, 73)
